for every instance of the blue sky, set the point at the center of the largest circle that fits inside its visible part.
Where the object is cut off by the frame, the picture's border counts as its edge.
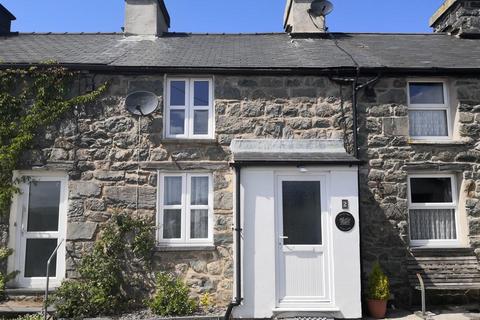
(220, 15)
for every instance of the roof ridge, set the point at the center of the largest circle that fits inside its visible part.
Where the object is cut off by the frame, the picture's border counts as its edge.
(70, 33)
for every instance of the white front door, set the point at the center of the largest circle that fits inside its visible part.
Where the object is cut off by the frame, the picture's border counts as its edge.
(303, 275)
(40, 223)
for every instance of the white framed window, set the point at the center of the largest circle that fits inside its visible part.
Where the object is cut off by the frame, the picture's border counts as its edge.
(185, 209)
(189, 108)
(433, 201)
(429, 110)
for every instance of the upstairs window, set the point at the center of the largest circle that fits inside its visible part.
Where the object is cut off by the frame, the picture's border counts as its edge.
(433, 210)
(429, 111)
(189, 113)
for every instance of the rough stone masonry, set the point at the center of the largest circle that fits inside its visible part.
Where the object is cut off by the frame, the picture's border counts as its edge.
(99, 145)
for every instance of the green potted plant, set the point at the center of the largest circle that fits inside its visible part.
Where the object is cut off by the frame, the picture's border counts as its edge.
(378, 292)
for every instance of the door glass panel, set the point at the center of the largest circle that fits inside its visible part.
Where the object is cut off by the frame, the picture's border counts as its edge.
(172, 224)
(37, 253)
(43, 206)
(199, 224)
(302, 218)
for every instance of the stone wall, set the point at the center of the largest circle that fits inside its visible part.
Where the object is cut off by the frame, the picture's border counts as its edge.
(99, 145)
(391, 155)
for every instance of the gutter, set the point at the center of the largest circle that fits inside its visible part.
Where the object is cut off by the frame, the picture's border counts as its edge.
(238, 248)
(337, 71)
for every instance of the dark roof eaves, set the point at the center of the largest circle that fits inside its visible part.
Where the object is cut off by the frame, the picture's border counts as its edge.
(345, 70)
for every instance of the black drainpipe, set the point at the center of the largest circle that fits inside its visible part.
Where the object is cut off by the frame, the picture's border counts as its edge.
(238, 247)
(356, 90)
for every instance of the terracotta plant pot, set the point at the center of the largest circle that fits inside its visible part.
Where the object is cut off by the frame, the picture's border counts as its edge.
(377, 308)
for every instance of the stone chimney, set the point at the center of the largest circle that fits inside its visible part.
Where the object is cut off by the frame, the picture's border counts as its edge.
(458, 17)
(146, 17)
(6, 18)
(297, 18)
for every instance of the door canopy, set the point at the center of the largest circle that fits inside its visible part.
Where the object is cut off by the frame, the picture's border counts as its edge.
(288, 151)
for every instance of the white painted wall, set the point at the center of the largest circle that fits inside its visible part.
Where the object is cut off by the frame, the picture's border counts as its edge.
(259, 243)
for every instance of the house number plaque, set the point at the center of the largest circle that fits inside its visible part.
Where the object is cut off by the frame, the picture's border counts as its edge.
(345, 221)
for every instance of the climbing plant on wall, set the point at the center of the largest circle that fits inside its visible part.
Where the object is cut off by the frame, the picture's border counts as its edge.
(31, 99)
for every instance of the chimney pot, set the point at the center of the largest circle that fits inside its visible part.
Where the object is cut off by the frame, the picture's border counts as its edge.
(6, 18)
(146, 17)
(458, 17)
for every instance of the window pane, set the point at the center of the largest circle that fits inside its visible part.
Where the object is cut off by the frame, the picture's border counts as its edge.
(302, 214)
(177, 93)
(424, 190)
(428, 123)
(428, 224)
(201, 93)
(43, 206)
(200, 122)
(426, 93)
(177, 121)
(173, 191)
(199, 224)
(199, 193)
(172, 224)
(36, 256)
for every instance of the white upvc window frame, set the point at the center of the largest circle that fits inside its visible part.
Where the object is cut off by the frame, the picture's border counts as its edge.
(433, 107)
(185, 240)
(435, 243)
(189, 108)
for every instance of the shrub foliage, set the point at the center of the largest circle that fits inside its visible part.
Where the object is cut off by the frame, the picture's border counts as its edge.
(31, 99)
(171, 297)
(378, 284)
(114, 275)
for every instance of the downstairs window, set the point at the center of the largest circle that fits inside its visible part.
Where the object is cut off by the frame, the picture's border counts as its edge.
(433, 210)
(185, 213)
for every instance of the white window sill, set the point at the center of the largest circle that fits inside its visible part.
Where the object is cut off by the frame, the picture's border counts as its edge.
(439, 247)
(438, 142)
(188, 140)
(176, 248)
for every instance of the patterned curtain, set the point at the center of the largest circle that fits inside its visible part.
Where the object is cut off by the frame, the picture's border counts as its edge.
(428, 123)
(432, 224)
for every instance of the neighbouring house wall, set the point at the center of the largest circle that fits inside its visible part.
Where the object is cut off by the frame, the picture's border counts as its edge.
(98, 145)
(391, 156)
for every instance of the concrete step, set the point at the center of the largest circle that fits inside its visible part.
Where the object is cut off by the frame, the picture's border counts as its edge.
(21, 307)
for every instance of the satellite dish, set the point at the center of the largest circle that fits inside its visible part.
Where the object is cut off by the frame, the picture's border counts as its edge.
(321, 8)
(141, 103)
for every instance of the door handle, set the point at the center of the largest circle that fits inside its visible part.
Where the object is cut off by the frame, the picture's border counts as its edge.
(283, 237)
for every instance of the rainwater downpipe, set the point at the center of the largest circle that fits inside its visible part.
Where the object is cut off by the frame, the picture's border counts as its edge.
(238, 247)
(356, 89)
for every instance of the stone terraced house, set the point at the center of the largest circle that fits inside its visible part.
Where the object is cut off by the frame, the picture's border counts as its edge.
(278, 167)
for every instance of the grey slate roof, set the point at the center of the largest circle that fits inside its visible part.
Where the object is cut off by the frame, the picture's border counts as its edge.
(245, 51)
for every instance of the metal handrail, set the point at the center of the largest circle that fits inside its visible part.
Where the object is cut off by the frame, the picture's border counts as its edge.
(45, 302)
(422, 288)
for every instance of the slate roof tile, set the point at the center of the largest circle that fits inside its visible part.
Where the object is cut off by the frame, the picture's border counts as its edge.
(245, 51)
